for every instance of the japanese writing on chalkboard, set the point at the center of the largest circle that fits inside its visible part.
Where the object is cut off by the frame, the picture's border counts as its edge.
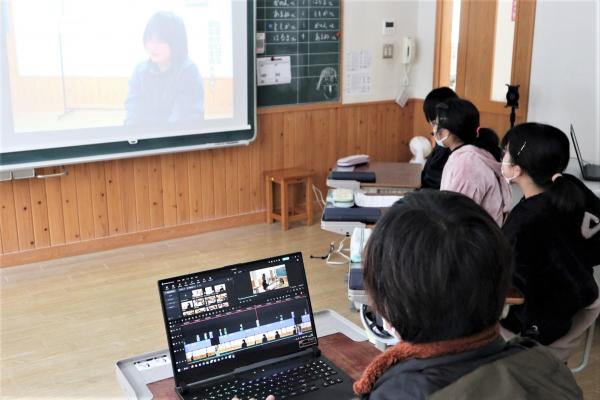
(308, 31)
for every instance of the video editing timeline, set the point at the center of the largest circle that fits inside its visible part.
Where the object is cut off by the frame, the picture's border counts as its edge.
(254, 327)
(237, 315)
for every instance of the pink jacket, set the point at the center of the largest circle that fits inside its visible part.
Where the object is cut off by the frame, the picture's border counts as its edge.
(473, 172)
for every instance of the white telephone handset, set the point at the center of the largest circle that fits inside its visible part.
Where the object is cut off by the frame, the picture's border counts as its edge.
(407, 57)
(408, 50)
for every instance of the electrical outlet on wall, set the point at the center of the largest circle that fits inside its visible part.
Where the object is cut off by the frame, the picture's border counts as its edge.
(388, 50)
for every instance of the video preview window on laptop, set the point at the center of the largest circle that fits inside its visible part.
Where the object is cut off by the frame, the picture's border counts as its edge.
(234, 316)
(78, 72)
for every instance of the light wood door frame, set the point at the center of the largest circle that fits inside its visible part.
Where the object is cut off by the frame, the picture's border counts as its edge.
(522, 51)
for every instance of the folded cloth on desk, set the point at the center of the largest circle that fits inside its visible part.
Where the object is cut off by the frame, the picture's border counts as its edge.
(364, 176)
(368, 200)
(357, 214)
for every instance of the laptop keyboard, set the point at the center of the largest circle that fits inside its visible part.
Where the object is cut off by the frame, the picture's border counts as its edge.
(284, 384)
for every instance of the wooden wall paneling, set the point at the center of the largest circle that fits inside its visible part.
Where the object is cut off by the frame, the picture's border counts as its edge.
(341, 135)
(264, 138)
(276, 136)
(8, 219)
(109, 204)
(392, 132)
(245, 181)
(219, 184)
(208, 185)
(348, 124)
(373, 144)
(99, 204)
(301, 145)
(362, 129)
(116, 225)
(23, 215)
(336, 143)
(68, 190)
(127, 183)
(168, 189)
(404, 125)
(317, 161)
(155, 192)
(324, 135)
(56, 222)
(257, 168)
(39, 213)
(420, 126)
(289, 133)
(231, 181)
(182, 188)
(195, 178)
(84, 201)
(140, 192)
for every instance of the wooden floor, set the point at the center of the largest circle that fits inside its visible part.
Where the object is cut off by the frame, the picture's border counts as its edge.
(64, 323)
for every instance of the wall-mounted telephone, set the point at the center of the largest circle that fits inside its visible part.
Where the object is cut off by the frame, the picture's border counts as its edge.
(408, 50)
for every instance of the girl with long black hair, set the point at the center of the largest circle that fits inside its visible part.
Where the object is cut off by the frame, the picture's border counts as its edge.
(553, 230)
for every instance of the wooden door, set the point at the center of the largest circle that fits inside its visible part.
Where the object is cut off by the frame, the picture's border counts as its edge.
(476, 52)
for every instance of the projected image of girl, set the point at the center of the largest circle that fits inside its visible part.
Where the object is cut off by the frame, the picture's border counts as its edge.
(167, 87)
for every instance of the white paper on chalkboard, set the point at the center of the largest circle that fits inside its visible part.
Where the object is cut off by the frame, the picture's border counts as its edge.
(273, 70)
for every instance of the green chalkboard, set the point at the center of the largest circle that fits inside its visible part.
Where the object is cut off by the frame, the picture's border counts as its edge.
(308, 31)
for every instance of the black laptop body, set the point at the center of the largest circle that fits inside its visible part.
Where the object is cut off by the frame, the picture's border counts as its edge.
(247, 330)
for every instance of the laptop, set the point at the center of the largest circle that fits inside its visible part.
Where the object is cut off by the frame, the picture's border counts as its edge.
(247, 330)
(590, 172)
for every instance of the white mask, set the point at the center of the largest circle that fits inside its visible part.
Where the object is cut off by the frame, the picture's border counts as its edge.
(440, 142)
(507, 178)
(389, 328)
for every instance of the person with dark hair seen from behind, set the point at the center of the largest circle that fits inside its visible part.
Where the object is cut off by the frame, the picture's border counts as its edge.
(473, 167)
(553, 231)
(265, 285)
(443, 303)
(166, 88)
(431, 175)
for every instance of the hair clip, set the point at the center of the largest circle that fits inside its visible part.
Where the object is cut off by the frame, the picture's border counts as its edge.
(477, 131)
(521, 149)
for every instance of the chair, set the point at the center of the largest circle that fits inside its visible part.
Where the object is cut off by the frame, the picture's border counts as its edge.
(285, 178)
(583, 324)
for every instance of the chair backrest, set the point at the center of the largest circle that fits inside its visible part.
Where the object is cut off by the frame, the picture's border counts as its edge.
(564, 347)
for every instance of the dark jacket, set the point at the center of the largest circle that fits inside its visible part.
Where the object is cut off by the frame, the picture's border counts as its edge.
(175, 95)
(429, 378)
(553, 269)
(431, 175)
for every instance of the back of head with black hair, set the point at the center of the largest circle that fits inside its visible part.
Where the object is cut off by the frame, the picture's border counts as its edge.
(437, 267)
(166, 26)
(461, 118)
(433, 98)
(542, 151)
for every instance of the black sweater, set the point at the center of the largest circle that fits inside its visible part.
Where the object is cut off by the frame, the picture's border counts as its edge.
(431, 175)
(553, 269)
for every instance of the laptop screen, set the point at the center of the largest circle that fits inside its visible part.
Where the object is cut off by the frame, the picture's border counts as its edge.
(230, 317)
(577, 150)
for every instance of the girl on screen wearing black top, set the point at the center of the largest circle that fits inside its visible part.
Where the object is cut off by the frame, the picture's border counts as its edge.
(554, 233)
(166, 88)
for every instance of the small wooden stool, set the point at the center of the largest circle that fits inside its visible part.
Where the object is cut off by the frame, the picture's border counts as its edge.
(286, 177)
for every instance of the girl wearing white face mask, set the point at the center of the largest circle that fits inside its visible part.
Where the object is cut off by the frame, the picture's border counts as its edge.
(473, 167)
(555, 241)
